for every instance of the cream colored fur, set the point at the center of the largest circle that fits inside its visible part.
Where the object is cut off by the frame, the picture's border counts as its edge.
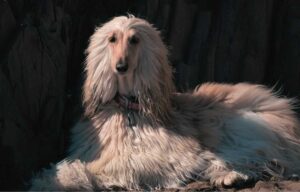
(222, 133)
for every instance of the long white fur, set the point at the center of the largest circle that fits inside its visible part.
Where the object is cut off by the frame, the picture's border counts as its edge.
(220, 132)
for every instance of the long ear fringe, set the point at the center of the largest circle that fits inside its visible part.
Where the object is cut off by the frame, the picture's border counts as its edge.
(154, 75)
(100, 85)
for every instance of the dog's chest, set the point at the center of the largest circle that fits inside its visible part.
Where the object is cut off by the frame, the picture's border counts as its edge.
(147, 155)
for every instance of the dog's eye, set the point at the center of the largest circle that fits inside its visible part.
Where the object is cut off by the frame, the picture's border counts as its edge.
(133, 40)
(112, 39)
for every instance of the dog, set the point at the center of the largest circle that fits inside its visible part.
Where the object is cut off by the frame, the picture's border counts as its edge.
(140, 134)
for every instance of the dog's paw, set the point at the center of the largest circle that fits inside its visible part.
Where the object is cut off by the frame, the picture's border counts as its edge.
(230, 179)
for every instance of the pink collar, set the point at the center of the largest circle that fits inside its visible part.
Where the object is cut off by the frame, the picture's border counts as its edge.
(127, 102)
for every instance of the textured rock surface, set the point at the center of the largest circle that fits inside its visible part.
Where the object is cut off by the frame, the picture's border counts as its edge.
(42, 45)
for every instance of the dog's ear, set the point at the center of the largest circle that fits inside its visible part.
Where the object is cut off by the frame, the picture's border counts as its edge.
(100, 85)
(154, 73)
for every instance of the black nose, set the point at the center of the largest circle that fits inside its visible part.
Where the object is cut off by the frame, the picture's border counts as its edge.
(122, 67)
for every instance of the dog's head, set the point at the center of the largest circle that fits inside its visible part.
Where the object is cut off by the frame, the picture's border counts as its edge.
(124, 46)
(127, 48)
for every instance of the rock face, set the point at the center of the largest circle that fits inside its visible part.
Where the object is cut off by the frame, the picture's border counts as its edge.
(42, 45)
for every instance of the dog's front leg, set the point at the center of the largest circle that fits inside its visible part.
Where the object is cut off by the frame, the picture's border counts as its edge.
(220, 174)
(65, 176)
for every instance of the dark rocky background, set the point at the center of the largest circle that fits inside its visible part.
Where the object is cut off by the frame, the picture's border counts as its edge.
(41, 61)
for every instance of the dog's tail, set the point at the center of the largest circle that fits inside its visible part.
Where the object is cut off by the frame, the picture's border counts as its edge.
(279, 112)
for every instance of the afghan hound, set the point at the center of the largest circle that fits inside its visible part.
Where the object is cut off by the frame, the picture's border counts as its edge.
(139, 133)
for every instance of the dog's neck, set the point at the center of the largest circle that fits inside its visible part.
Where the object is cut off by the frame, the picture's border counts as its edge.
(157, 109)
(125, 96)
